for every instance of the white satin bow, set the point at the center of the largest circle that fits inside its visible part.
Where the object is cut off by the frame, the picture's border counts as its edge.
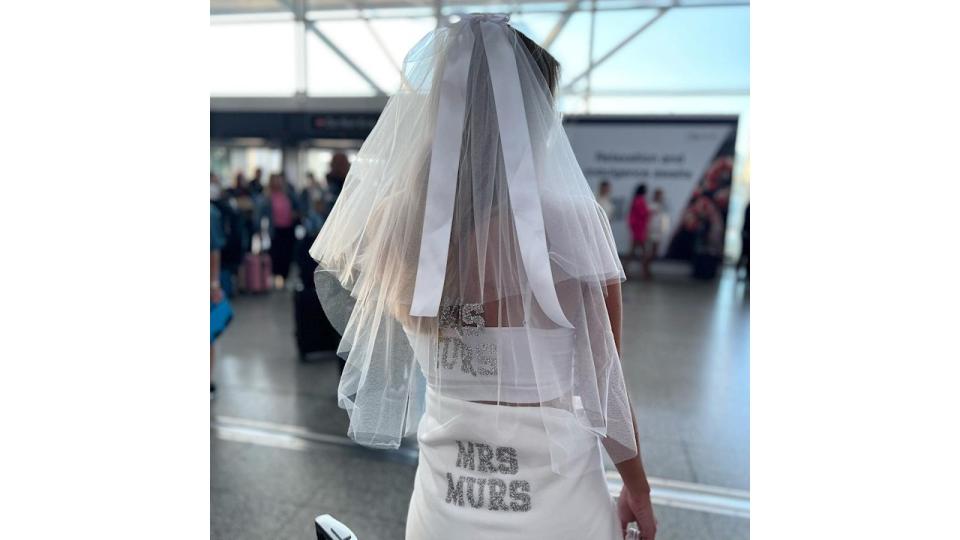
(522, 180)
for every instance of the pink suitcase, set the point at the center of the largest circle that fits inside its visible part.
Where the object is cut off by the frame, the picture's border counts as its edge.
(256, 270)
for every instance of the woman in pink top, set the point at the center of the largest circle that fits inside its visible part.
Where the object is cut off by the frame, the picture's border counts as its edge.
(283, 219)
(638, 220)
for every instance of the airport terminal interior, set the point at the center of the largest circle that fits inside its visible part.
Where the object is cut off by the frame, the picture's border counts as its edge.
(296, 85)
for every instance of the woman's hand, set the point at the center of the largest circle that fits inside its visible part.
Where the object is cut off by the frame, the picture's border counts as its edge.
(637, 508)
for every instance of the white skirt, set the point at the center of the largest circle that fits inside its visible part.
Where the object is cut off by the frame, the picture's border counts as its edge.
(476, 482)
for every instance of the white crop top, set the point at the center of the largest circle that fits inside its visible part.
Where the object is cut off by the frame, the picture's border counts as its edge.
(513, 365)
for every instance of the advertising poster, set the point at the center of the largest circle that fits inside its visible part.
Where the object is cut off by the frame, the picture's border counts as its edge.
(688, 160)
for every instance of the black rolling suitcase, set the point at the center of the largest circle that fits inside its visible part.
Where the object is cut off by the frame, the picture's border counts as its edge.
(313, 331)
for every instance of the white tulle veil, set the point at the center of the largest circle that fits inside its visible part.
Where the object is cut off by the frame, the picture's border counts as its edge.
(465, 213)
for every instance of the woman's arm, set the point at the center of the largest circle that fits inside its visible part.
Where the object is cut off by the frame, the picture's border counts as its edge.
(634, 503)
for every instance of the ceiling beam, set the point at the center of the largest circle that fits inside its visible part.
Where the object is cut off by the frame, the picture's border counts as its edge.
(561, 22)
(593, 65)
(362, 14)
(343, 56)
(312, 27)
(420, 10)
(438, 11)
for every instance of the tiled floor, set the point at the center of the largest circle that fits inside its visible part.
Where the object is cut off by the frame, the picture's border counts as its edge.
(686, 360)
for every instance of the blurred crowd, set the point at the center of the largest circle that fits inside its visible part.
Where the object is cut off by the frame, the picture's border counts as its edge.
(267, 224)
(258, 230)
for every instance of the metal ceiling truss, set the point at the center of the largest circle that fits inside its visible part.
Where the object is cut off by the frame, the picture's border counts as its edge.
(297, 7)
(376, 37)
(594, 63)
(421, 9)
(561, 22)
(307, 13)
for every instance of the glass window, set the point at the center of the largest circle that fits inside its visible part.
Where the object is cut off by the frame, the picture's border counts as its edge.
(400, 35)
(252, 59)
(687, 50)
(355, 39)
(328, 74)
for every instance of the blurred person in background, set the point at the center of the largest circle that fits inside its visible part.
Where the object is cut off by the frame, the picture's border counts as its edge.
(259, 212)
(245, 204)
(312, 222)
(280, 208)
(312, 191)
(638, 220)
(256, 182)
(240, 186)
(215, 189)
(314, 207)
(604, 200)
(232, 228)
(339, 167)
(744, 260)
(705, 223)
(314, 210)
(658, 228)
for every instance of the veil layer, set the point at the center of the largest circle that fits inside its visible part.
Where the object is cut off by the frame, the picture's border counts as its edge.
(466, 252)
